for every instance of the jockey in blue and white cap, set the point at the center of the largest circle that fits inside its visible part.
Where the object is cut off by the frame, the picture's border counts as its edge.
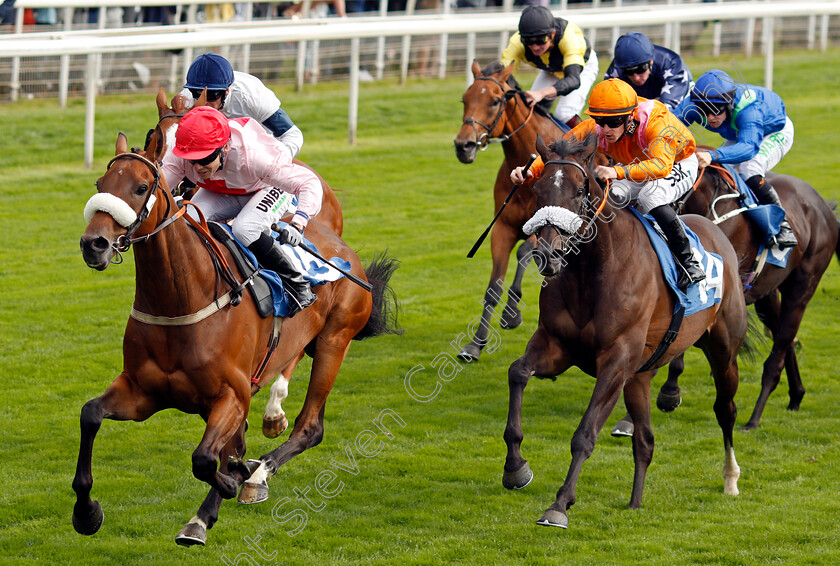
(654, 72)
(240, 95)
(757, 130)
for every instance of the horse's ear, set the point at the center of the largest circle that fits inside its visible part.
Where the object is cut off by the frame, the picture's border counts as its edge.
(542, 149)
(202, 100)
(122, 143)
(476, 69)
(506, 72)
(590, 147)
(161, 103)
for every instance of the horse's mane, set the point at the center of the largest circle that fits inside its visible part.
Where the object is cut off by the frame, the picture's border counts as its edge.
(571, 145)
(497, 67)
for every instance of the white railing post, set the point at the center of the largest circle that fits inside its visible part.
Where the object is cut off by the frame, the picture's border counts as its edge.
(716, 38)
(470, 57)
(380, 43)
(353, 111)
(406, 45)
(91, 86)
(64, 63)
(812, 31)
(444, 43)
(768, 52)
(824, 33)
(14, 80)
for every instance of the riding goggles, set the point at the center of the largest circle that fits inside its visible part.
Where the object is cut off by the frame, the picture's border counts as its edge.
(636, 69)
(610, 121)
(204, 162)
(212, 95)
(536, 40)
(711, 108)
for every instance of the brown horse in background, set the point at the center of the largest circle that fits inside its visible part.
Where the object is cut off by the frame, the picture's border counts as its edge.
(816, 228)
(495, 110)
(190, 345)
(605, 309)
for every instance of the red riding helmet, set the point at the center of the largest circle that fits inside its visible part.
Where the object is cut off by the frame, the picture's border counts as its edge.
(202, 131)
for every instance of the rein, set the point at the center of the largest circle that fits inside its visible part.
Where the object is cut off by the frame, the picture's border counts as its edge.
(484, 140)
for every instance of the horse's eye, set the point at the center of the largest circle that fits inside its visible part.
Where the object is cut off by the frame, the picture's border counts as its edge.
(141, 190)
(497, 101)
(580, 192)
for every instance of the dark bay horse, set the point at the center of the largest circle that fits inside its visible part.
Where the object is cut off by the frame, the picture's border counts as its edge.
(816, 228)
(495, 111)
(188, 345)
(605, 309)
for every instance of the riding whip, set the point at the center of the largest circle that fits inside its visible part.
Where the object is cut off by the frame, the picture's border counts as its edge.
(360, 282)
(478, 242)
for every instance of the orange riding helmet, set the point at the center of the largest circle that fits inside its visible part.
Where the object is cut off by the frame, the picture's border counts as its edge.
(612, 97)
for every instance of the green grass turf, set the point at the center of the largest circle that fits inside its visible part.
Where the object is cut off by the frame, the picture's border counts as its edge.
(433, 494)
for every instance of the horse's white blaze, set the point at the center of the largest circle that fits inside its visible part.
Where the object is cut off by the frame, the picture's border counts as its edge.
(198, 521)
(278, 394)
(119, 210)
(483, 90)
(169, 135)
(557, 178)
(558, 216)
(731, 473)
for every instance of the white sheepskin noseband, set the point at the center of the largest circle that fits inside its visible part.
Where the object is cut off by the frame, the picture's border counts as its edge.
(123, 214)
(558, 216)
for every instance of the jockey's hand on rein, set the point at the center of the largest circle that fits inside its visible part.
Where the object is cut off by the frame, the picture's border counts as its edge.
(290, 234)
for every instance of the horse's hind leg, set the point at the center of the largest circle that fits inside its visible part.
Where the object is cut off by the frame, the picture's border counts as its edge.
(797, 290)
(195, 531)
(121, 401)
(721, 348)
(669, 394)
(309, 425)
(512, 316)
(637, 400)
(274, 418)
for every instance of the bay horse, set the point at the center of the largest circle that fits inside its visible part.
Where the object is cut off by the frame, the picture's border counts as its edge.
(605, 308)
(212, 366)
(816, 228)
(495, 110)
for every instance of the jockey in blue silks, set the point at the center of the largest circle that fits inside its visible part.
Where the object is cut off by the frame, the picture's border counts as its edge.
(757, 131)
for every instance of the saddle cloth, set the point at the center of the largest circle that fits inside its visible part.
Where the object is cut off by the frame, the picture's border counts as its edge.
(766, 217)
(313, 269)
(700, 295)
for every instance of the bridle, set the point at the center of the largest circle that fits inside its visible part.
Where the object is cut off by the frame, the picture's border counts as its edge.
(585, 204)
(124, 242)
(485, 139)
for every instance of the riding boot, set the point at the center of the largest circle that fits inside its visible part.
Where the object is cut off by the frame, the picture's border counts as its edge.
(766, 194)
(298, 291)
(691, 271)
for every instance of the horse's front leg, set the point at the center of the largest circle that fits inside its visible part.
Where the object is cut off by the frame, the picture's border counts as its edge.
(609, 383)
(512, 315)
(544, 357)
(502, 240)
(226, 416)
(195, 531)
(121, 401)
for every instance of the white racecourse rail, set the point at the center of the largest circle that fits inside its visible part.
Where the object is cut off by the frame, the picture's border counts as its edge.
(242, 33)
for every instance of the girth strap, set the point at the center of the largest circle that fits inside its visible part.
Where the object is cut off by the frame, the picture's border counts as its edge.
(671, 335)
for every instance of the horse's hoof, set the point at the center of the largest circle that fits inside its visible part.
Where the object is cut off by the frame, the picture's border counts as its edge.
(272, 428)
(622, 428)
(192, 534)
(251, 493)
(470, 353)
(510, 322)
(667, 403)
(518, 479)
(89, 524)
(554, 518)
(749, 426)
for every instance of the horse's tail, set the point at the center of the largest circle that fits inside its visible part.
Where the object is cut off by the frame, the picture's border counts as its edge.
(383, 314)
(754, 339)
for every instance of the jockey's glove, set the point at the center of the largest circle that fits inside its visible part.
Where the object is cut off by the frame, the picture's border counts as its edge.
(290, 234)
